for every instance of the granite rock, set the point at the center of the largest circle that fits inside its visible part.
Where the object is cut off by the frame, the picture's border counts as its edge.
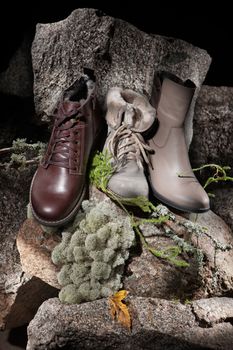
(35, 246)
(119, 53)
(20, 293)
(222, 204)
(17, 79)
(213, 127)
(156, 324)
(214, 311)
(149, 276)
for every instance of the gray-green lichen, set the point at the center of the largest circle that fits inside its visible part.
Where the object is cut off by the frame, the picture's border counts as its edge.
(29, 212)
(93, 253)
(46, 229)
(162, 210)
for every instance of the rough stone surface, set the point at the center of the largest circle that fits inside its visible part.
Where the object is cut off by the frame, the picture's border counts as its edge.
(29, 296)
(119, 53)
(35, 246)
(156, 324)
(213, 127)
(13, 189)
(17, 79)
(149, 276)
(215, 311)
(5, 344)
(220, 263)
(212, 143)
(218, 337)
(222, 204)
(16, 288)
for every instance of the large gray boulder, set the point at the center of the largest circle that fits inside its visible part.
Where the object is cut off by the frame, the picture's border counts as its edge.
(147, 275)
(156, 324)
(20, 293)
(222, 204)
(119, 53)
(213, 127)
(212, 143)
(17, 79)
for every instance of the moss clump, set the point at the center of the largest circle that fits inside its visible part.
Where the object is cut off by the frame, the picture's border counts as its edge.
(100, 173)
(22, 154)
(92, 258)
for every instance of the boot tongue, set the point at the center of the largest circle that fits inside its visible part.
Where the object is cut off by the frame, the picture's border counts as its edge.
(129, 120)
(67, 114)
(129, 116)
(141, 116)
(61, 151)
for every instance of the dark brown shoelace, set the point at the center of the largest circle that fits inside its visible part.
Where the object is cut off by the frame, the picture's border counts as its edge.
(64, 147)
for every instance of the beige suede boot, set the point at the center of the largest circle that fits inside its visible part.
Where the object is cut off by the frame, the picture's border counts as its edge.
(171, 177)
(128, 115)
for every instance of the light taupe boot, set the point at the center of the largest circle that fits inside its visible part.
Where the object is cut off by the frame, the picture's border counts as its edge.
(171, 178)
(128, 115)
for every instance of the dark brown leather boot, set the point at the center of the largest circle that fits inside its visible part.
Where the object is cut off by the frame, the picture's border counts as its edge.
(59, 184)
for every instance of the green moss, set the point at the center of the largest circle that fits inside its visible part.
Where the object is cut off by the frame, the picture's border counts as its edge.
(220, 174)
(114, 241)
(18, 160)
(101, 170)
(106, 292)
(98, 243)
(103, 235)
(95, 220)
(100, 173)
(108, 254)
(70, 295)
(101, 270)
(64, 275)
(59, 253)
(91, 242)
(119, 260)
(22, 153)
(94, 261)
(84, 290)
(97, 255)
(79, 271)
(29, 212)
(78, 238)
(141, 202)
(49, 229)
(80, 253)
(21, 145)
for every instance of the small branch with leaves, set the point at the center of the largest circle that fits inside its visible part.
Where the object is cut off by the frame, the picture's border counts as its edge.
(21, 154)
(100, 173)
(220, 174)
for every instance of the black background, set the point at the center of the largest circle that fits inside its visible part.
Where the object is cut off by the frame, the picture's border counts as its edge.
(210, 28)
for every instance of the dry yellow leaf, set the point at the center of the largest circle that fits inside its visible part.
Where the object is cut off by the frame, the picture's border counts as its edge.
(119, 310)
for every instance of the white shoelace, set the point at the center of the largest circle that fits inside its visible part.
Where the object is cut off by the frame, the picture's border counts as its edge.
(126, 144)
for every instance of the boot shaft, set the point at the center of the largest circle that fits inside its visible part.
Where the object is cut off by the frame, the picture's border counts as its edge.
(171, 177)
(174, 103)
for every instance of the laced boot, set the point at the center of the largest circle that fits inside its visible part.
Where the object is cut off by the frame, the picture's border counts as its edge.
(171, 177)
(128, 115)
(59, 184)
